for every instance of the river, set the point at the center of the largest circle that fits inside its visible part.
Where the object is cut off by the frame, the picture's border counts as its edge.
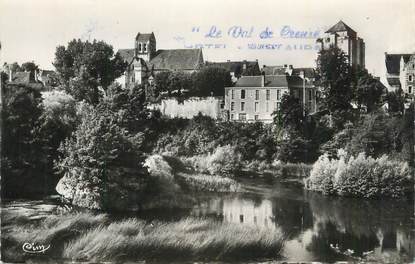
(317, 227)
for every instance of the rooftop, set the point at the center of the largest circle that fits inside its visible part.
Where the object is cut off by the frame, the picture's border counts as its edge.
(340, 26)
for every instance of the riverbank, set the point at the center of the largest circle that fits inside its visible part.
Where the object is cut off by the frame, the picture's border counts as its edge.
(97, 237)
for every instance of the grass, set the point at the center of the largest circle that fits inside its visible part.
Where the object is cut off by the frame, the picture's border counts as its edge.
(89, 237)
(210, 183)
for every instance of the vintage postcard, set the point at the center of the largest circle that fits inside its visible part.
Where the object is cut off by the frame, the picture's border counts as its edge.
(207, 131)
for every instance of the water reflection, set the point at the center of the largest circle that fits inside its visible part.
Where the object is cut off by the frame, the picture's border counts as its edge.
(322, 228)
(317, 228)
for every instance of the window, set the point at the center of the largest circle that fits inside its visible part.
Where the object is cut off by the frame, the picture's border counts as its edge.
(242, 94)
(233, 94)
(278, 94)
(232, 116)
(256, 94)
(139, 47)
(241, 218)
(256, 117)
(410, 89)
(328, 39)
(267, 107)
(256, 106)
(410, 78)
(267, 94)
(310, 95)
(278, 106)
(232, 106)
(145, 47)
(242, 106)
(242, 117)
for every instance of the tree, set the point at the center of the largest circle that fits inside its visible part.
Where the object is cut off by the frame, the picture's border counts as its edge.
(292, 116)
(335, 79)
(368, 91)
(83, 67)
(21, 168)
(101, 164)
(56, 123)
(395, 101)
(30, 66)
(211, 81)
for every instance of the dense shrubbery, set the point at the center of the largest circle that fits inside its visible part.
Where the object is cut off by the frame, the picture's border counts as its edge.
(360, 176)
(376, 134)
(202, 136)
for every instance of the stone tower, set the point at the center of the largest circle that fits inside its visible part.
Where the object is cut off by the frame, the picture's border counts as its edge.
(346, 39)
(145, 46)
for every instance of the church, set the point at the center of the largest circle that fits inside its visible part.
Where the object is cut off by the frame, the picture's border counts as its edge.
(145, 61)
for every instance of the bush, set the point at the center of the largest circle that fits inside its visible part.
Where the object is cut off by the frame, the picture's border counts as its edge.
(224, 161)
(360, 177)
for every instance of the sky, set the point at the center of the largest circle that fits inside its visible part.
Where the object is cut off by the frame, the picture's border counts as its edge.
(30, 30)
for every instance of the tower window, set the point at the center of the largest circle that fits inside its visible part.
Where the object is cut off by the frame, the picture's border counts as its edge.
(139, 47)
(145, 47)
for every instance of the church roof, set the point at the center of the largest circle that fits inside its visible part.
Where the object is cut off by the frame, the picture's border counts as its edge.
(144, 36)
(177, 59)
(340, 26)
(126, 54)
(393, 62)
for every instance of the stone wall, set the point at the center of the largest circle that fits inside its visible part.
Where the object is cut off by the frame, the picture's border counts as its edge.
(208, 106)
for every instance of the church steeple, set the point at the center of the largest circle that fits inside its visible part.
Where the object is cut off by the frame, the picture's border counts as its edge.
(145, 46)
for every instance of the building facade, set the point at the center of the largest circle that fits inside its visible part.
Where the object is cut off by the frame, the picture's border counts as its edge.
(144, 60)
(400, 72)
(256, 98)
(346, 39)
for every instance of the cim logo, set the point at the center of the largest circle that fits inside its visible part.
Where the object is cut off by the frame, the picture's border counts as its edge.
(34, 248)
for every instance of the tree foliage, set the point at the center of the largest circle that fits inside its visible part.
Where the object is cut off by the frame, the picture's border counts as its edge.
(21, 160)
(335, 79)
(368, 91)
(85, 66)
(102, 163)
(211, 81)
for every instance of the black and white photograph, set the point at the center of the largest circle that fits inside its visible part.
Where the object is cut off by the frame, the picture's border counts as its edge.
(210, 131)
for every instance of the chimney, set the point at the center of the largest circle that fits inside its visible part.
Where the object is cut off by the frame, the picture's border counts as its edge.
(302, 74)
(10, 75)
(291, 67)
(285, 66)
(263, 79)
(36, 76)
